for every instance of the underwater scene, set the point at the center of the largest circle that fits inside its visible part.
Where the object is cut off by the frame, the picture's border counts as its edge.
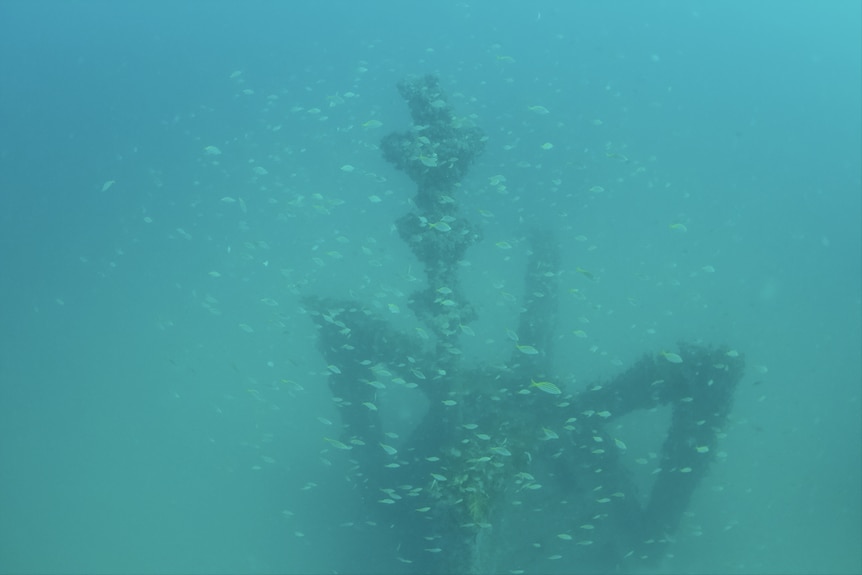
(405, 287)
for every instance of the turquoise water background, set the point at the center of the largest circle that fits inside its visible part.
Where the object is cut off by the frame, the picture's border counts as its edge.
(174, 177)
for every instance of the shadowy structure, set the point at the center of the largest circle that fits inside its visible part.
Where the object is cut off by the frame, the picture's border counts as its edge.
(505, 472)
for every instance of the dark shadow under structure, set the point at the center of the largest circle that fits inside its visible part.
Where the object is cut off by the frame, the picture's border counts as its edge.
(501, 474)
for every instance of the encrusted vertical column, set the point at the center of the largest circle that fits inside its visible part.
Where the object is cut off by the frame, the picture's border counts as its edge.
(435, 153)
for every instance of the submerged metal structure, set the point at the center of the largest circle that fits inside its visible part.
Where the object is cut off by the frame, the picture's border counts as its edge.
(504, 472)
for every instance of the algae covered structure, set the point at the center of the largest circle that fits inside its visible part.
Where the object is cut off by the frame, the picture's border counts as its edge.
(507, 470)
